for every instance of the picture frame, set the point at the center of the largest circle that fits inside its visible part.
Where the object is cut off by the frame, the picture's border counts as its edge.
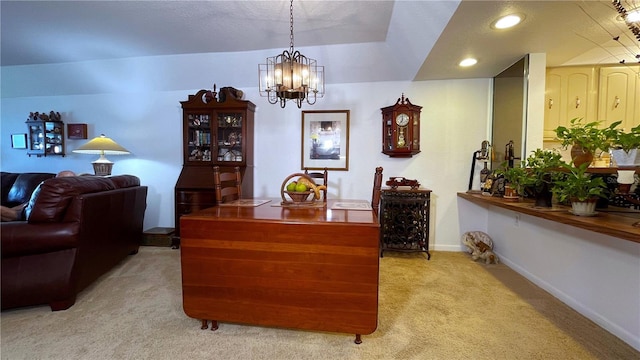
(76, 131)
(19, 141)
(325, 140)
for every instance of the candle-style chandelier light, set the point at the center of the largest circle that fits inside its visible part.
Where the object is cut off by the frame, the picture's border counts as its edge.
(291, 76)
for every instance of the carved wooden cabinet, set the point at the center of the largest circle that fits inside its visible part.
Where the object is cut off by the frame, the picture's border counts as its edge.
(217, 131)
(404, 220)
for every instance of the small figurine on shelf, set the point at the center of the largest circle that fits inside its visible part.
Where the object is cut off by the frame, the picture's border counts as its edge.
(210, 96)
(394, 182)
(233, 138)
(36, 116)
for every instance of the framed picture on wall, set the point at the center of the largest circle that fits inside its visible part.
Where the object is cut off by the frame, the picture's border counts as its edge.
(325, 139)
(19, 141)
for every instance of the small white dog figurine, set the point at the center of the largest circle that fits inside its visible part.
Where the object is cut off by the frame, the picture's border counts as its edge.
(480, 246)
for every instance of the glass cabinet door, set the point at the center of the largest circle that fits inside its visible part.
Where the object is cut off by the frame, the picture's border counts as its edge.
(229, 146)
(198, 147)
(36, 138)
(54, 138)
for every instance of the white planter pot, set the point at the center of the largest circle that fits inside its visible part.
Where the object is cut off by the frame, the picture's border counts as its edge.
(584, 208)
(624, 158)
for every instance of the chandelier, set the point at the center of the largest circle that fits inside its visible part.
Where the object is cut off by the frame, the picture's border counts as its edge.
(291, 76)
(631, 17)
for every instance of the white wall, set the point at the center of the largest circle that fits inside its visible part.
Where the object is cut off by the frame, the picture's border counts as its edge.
(595, 274)
(535, 103)
(136, 102)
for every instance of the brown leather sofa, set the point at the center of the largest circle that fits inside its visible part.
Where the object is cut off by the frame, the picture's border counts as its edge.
(78, 229)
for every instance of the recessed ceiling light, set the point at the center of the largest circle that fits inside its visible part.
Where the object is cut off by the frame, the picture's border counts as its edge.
(468, 62)
(508, 21)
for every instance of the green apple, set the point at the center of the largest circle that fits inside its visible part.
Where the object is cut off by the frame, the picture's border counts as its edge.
(291, 186)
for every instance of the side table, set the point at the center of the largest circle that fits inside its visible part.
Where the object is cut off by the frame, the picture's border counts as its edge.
(404, 220)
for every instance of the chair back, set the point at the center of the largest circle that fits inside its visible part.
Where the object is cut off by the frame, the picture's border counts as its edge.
(324, 175)
(377, 185)
(227, 184)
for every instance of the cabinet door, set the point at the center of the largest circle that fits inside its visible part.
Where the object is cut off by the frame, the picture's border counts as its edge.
(198, 137)
(552, 113)
(574, 96)
(54, 141)
(618, 96)
(229, 146)
(36, 138)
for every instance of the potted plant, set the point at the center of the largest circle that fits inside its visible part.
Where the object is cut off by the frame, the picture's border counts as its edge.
(580, 188)
(585, 139)
(541, 166)
(624, 147)
(517, 178)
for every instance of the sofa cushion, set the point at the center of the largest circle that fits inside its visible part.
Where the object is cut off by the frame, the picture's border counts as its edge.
(6, 179)
(55, 195)
(124, 181)
(23, 186)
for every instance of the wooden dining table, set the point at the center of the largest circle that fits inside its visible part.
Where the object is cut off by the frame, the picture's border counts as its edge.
(274, 265)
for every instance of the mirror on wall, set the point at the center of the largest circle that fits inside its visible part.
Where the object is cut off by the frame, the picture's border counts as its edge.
(509, 113)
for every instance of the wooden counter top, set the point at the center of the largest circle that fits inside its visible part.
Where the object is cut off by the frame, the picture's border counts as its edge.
(613, 221)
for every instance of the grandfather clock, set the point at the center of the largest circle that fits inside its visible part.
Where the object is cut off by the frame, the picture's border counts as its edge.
(401, 129)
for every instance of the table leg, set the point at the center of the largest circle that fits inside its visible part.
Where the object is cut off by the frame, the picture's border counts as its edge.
(214, 325)
(205, 325)
(358, 339)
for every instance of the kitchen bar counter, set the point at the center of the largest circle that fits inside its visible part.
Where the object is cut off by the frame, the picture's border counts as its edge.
(613, 221)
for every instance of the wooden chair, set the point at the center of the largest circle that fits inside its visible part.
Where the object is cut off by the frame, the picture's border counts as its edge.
(377, 185)
(227, 184)
(319, 175)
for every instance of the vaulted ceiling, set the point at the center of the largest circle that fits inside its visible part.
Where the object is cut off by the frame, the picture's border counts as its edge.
(356, 41)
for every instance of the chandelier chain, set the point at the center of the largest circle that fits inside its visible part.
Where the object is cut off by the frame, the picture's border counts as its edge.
(291, 26)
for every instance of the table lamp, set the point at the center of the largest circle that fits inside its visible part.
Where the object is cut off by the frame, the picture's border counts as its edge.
(102, 146)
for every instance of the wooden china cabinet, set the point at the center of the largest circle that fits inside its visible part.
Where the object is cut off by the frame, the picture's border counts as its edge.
(217, 131)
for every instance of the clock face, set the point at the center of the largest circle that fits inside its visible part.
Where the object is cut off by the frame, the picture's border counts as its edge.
(402, 119)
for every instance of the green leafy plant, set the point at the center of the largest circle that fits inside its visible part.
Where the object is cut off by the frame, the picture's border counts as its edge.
(577, 185)
(589, 136)
(541, 166)
(626, 140)
(519, 177)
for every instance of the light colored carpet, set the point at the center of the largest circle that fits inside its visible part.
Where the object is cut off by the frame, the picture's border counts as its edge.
(447, 308)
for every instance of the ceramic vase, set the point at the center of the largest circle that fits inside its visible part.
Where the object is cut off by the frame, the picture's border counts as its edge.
(626, 158)
(580, 156)
(584, 208)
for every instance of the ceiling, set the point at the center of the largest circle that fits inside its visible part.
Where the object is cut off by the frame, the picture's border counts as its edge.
(356, 41)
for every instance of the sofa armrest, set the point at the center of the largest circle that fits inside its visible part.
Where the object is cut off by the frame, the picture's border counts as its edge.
(21, 238)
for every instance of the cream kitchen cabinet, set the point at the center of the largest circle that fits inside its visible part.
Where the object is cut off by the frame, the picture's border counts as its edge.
(618, 93)
(571, 92)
